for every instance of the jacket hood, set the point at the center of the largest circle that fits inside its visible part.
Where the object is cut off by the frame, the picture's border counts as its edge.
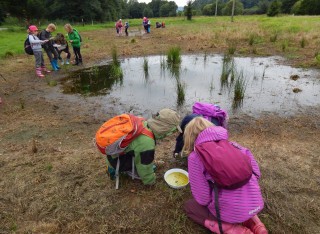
(213, 133)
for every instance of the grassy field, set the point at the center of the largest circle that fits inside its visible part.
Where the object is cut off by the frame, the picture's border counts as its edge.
(53, 180)
(296, 38)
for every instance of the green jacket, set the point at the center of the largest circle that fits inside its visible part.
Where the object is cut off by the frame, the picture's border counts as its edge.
(142, 149)
(75, 38)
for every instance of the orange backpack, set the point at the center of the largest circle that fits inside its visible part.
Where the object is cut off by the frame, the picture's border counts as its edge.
(114, 136)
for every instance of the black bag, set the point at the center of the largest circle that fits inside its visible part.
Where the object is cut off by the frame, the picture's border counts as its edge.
(27, 47)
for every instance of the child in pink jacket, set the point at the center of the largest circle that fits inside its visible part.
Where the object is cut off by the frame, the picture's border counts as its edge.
(238, 207)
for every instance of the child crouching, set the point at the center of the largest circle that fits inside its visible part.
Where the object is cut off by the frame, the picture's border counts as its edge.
(36, 43)
(61, 45)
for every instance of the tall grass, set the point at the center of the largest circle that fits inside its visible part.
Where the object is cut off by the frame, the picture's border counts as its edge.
(303, 42)
(180, 93)
(115, 70)
(114, 53)
(174, 56)
(239, 90)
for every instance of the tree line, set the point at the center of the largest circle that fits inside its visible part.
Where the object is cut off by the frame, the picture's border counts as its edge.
(111, 10)
(85, 10)
(250, 7)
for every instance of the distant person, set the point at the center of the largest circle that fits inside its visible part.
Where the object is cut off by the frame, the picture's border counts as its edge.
(119, 26)
(214, 205)
(163, 25)
(36, 45)
(158, 25)
(48, 47)
(126, 26)
(145, 24)
(75, 40)
(148, 26)
(61, 45)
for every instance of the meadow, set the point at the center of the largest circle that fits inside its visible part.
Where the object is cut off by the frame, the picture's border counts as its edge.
(53, 179)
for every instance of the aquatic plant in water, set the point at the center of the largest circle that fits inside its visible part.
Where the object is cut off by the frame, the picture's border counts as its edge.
(174, 56)
(114, 53)
(145, 67)
(227, 70)
(180, 93)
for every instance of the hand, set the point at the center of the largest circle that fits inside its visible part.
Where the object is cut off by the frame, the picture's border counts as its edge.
(45, 41)
(71, 41)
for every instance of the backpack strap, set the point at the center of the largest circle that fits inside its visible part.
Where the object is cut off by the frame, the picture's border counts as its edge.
(216, 205)
(147, 132)
(117, 173)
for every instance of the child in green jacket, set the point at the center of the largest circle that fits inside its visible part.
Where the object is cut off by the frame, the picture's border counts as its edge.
(75, 40)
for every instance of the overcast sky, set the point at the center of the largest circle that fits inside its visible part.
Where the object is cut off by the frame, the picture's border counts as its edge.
(180, 3)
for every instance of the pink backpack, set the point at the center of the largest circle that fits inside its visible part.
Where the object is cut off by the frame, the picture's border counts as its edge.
(226, 164)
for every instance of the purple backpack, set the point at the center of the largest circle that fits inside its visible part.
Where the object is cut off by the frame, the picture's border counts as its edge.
(210, 112)
(226, 164)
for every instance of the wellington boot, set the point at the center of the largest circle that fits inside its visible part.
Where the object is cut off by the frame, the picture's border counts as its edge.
(56, 63)
(38, 72)
(53, 66)
(255, 225)
(227, 228)
(44, 69)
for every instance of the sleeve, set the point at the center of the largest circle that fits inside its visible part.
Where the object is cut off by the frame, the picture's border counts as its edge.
(33, 40)
(200, 187)
(144, 157)
(76, 38)
(255, 166)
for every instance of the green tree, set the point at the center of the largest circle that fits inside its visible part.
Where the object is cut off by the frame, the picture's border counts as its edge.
(296, 8)
(188, 10)
(310, 7)
(147, 12)
(287, 5)
(209, 9)
(168, 9)
(238, 10)
(155, 7)
(274, 8)
(263, 7)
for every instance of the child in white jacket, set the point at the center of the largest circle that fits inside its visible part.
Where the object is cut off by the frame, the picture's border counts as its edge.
(36, 43)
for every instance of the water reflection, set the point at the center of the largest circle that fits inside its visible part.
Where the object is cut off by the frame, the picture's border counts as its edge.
(97, 80)
(268, 86)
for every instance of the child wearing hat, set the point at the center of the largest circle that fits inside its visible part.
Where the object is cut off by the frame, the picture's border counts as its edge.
(36, 43)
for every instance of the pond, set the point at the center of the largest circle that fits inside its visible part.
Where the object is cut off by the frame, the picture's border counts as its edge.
(148, 84)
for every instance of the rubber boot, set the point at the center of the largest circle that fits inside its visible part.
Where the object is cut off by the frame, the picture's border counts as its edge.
(56, 63)
(80, 61)
(67, 61)
(255, 225)
(53, 66)
(44, 69)
(227, 228)
(61, 62)
(38, 72)
(76, 63)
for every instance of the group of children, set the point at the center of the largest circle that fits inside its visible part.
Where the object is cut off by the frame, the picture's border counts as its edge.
(219, 208)
(53, 47)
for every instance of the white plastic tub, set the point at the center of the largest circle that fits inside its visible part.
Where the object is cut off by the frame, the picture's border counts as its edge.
(176, 178)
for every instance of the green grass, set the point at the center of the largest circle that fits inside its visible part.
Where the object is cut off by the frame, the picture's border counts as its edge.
(268, 29)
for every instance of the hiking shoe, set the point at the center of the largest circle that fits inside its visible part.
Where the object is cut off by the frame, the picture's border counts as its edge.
(255, 225)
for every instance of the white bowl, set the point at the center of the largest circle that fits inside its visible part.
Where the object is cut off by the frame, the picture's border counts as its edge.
(177, 178)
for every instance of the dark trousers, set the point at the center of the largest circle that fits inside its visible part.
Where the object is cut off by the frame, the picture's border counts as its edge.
(126, 30)
(77, 54)
(197, 212)
(51, 52)
(66, 50)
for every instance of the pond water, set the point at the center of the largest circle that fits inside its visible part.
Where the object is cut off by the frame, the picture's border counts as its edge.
(149, 85)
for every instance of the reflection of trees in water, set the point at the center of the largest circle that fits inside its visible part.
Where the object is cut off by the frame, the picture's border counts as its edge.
(96, 80)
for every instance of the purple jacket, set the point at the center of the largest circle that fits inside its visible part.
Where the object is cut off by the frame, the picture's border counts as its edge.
(236, 205)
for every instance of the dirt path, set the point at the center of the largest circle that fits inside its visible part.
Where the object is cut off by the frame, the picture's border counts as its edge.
(52, 179)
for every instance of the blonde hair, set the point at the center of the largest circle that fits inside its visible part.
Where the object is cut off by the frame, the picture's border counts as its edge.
(68, 27)
(52, 26)
(191, 132)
